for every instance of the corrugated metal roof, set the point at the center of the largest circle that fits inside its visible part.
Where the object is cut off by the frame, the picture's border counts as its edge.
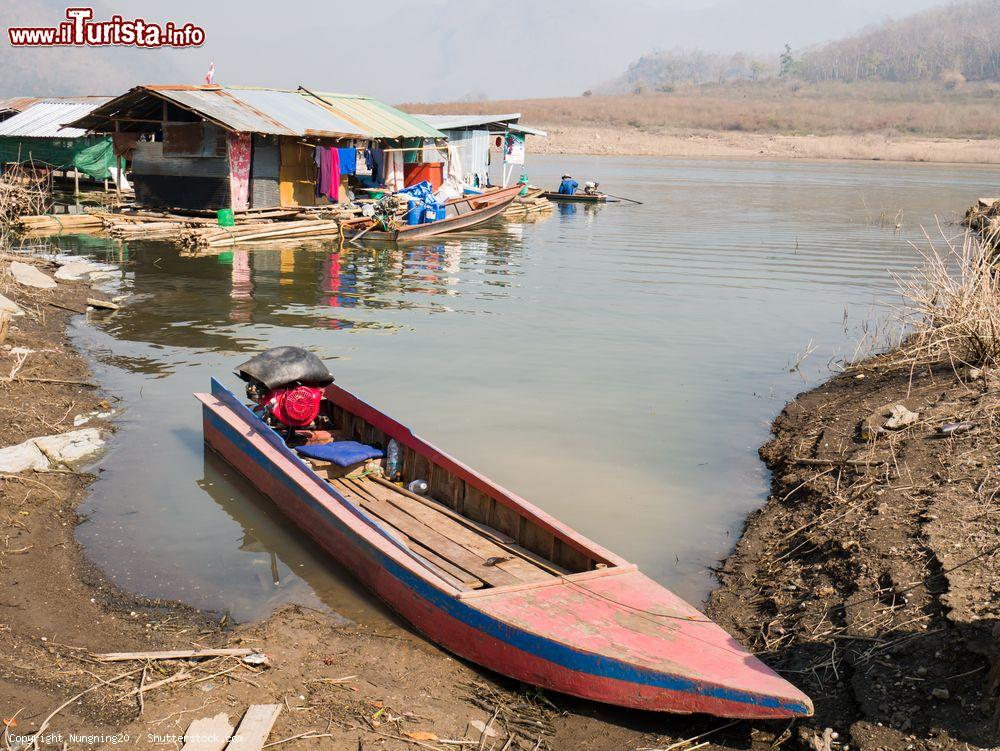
(226, 111)
(17, 103)
(297, 113)
(375, 118)
(276, 112)
(45, 119)
(459, 122)
(454, 122)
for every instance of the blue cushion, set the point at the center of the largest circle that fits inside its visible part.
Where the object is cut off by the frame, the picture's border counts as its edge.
(341, 453)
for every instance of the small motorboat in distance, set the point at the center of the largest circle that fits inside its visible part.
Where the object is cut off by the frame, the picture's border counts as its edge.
(578, 197)
(472, 566)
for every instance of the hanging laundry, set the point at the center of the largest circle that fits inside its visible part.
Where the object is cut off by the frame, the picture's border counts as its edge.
(238, 148)
(348, 160)
(394, 179)
(375, 160)
(318, 161)
(361, 167)
(455, 174)
(333, 192)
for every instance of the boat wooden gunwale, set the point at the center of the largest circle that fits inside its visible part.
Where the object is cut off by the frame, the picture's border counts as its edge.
(577, 197)
(494, 579)
(462, 213)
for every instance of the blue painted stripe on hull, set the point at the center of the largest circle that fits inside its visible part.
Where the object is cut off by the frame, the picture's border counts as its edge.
(546, 649)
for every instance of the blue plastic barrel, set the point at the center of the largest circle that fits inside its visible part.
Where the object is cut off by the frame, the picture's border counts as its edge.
(414, 212)
(430, 214)
(441, 212)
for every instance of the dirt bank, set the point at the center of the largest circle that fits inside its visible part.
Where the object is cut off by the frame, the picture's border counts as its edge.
(872, 576)
(624, 141)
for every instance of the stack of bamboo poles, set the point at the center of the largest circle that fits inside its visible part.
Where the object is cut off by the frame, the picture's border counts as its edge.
(55, 223)
(304, 229)
(200, 230)
(531, 205)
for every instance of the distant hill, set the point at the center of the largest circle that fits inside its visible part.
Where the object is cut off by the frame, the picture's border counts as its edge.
(951, 43)
(959, 39)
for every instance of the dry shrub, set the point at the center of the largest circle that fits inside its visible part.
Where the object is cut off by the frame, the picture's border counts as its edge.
(23, 191)
(952, 306)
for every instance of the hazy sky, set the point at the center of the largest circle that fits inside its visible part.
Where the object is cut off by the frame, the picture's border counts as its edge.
(419, 50)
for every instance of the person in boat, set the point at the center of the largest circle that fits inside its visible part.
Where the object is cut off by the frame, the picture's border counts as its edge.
(568, 185)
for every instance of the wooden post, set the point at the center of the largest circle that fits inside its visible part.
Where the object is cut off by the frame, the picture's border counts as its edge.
(76, 183)
(118, 166)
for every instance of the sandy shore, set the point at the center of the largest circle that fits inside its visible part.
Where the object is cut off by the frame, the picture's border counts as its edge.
(635, 142)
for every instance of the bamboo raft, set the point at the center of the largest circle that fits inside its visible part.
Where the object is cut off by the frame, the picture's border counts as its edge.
(533, 205)
(58, 223)
(200, 231)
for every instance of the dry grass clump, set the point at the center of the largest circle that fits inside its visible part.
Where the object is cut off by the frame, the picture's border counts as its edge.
(952, 306)
(22, 191)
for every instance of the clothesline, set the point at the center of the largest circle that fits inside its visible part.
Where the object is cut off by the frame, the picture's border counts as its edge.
(458, 145)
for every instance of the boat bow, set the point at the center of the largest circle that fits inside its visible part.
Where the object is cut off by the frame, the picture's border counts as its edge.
(636, 643)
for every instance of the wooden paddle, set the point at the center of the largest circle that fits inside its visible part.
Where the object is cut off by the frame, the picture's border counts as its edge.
(623, 198)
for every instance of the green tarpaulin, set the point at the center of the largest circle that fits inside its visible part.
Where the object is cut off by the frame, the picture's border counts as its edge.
(92, 156)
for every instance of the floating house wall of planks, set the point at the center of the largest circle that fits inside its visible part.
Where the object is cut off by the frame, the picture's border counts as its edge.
(178, 139)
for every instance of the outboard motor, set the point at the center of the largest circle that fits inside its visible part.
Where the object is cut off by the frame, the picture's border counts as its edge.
(287, 385)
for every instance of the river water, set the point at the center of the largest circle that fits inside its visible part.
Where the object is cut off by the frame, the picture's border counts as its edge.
(618, 365)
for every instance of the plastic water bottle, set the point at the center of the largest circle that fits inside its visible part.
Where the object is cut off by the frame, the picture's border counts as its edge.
(393, 460)
(418, 486)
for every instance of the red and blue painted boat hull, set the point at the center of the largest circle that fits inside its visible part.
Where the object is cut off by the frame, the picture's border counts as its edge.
(520, 631)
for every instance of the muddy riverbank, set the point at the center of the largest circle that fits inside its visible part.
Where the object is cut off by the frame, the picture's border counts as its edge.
(871, 577)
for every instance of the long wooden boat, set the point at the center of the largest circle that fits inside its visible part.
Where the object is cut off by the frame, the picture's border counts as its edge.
(490, 577)
(460, 213)
(576, 197)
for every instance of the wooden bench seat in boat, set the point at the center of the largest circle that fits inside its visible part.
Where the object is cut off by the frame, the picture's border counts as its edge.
(471, 554)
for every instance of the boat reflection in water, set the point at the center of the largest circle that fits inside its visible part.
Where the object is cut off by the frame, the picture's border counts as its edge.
(277, 565)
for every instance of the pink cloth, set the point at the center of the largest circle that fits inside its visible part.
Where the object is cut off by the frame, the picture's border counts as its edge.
(334, 192)
(329, 173)
(239, 170)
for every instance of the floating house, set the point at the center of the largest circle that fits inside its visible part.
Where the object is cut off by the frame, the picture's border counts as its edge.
(212, 147)
(484, 140)
(36, 135)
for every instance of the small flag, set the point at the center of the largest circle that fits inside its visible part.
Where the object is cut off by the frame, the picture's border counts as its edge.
(210, 76)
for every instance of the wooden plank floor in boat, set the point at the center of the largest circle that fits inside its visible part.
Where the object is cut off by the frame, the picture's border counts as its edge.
(462, 551)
